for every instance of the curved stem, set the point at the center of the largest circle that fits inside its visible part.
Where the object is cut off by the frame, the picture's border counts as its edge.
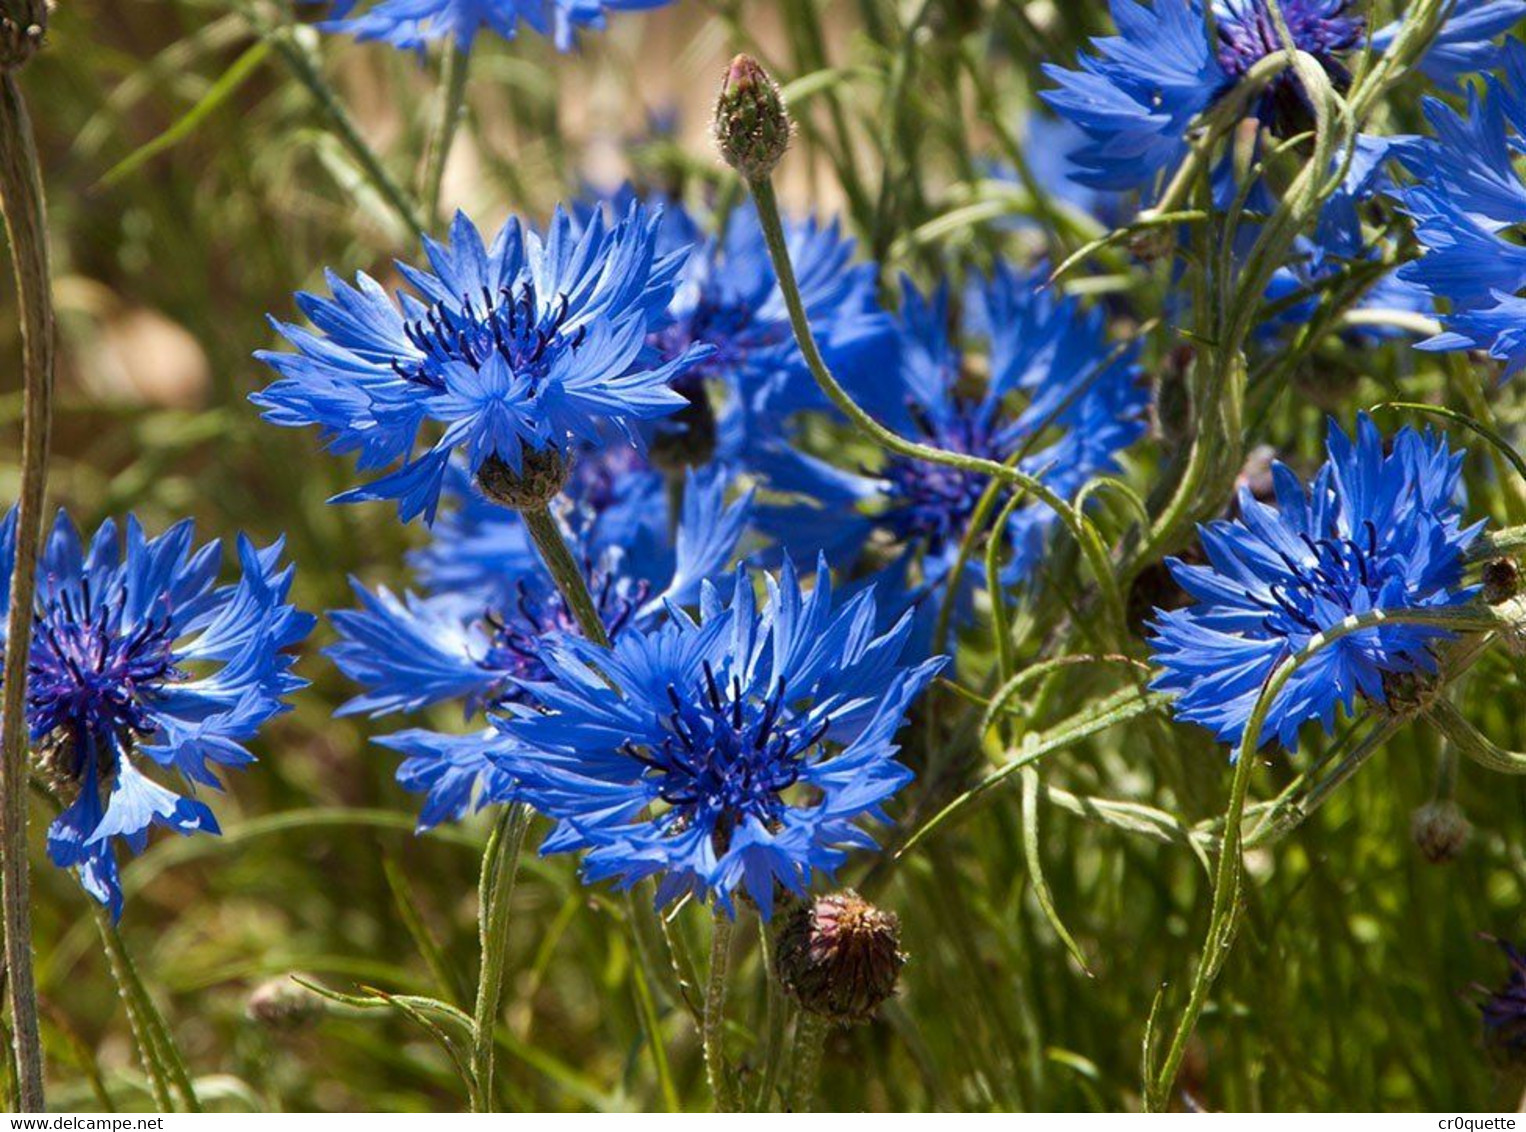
(714, 1029)
(452, 105)
(565, 572)
(21, 200)
(1473, 743)
(1084, 534)
(500, 867)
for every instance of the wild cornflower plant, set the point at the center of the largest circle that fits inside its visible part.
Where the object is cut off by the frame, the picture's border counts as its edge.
(742, 750)
(1376, 530)
(513, 354)
(141, 661)
(1138, 93)
(414, 24)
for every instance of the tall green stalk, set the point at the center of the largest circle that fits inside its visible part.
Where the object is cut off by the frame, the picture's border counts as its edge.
(714, 1030)
(21, 200)
(500, 868)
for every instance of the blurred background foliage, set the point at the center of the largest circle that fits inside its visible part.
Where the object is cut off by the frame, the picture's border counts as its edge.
(194, 185)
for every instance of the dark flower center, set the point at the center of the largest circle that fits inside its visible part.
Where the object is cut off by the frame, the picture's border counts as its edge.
(90, 675)
(1342, 569)
(517, 635)
(933, 502)
(727, 757)
(1248, 33)
(509, 324)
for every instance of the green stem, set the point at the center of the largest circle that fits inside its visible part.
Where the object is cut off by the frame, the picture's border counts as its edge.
(713, 1031)
(21, 200)
(452, 104)
(500, 867)
(306, 72)
(565, 572)
(777, 1008)
(810, 1039)
(1084, 534)
(161, 1056)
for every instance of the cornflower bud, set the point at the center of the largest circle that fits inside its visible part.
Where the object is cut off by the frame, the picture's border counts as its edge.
(1502, 580)
(752, 125)
(284, 1004)
(1440, 831)
(542, 474)
(23, 25)
(839, 956)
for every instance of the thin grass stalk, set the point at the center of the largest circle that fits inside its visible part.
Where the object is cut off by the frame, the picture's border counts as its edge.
(21, 201)
(453, 78)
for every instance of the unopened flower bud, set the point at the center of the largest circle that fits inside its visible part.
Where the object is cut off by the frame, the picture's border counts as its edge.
(542, 474)
(284, 1004)
(1440, 831)
(752, 126)
(1502, 580)
(839, 956)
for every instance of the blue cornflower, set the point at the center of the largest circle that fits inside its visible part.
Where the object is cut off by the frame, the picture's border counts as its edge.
(1469, 209)
(1377, 531)
(1136, 96)
(138, 658)
(739, 750)
(1057, 396)
(413, 24)
(479, 633)
(534, 345)
(1504, 1010)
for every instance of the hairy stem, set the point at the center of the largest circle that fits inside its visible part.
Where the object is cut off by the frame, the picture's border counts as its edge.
(565, 572)
(714, 1029)
(500, 867)
(21, 200)
(452, 107)
(810, 1038)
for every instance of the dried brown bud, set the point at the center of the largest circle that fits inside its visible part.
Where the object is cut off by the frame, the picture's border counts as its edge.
(752, 126)
(1502, 580)
(1440, 831)
(839, 956)
(542, 473)
(284, 1004)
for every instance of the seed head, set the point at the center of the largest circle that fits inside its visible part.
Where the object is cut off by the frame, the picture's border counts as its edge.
(284, 1004)
(839, 956)
(542, 474)
(1440, 831)
(752, 125)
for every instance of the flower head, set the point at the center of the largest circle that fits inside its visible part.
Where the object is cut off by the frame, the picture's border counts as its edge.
(139, 659)
(1136, 96)
(414, 24)
(1504, 1010)
(532, 344)
(1052, 393)
(479, 633)
(839, 956)
(738, 751)
(1469, 209)
(1378, 530)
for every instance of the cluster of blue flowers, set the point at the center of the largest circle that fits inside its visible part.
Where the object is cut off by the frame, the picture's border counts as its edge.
(634, 359)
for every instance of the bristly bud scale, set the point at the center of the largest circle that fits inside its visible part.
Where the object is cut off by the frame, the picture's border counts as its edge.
(839, 956)
(1440, 831)
(752, 125)
(542, 474)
